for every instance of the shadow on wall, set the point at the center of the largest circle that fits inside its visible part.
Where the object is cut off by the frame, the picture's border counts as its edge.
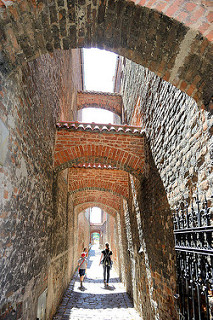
(155, 255)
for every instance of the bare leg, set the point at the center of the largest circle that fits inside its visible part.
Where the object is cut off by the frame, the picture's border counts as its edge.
(81, 281)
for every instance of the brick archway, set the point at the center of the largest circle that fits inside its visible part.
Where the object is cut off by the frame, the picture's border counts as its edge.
(81, 207)
(96, 197)
(95, 231)
(101, 146)
(174, 51)
(114, 181)
(108, 101)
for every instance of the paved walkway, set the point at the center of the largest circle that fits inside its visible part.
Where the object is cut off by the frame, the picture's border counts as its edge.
(96, 302)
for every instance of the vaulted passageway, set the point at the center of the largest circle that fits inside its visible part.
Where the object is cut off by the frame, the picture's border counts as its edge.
(53, 169)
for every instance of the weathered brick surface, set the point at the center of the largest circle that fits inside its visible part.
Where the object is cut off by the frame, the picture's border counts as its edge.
(72, 237)
(124, 254)
(170, 48)
(35, 92)
(155, 260)
(195, 14)
(111, 102)
(115, 181)
(179, 132)
(96, 196)
(87, 147)
(60, 248)
(112, 239)
(30, 101)
(179, 135)
(83, 231)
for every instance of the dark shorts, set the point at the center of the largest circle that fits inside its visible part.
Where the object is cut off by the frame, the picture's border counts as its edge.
(82, 272)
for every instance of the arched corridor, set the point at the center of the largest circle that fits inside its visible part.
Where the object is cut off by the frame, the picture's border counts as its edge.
(149, 171)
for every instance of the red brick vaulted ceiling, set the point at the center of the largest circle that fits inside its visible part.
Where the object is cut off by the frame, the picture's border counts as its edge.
(96, 197)
(100, 146)
(115, 181)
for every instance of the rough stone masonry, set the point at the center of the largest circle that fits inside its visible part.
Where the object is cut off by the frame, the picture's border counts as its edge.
(39, 80)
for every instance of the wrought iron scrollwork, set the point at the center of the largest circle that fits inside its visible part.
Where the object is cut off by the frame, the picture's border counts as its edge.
(193, 228)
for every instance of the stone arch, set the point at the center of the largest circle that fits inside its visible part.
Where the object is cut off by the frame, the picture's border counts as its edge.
(174, 51)
(115, 181)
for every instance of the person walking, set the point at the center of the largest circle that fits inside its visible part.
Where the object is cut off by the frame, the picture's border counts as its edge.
(82, 262)
(107, 263)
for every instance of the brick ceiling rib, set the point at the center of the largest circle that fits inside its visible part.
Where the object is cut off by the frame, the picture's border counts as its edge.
(115, 181)
(108, 101)
(114, 147)
(105, 198)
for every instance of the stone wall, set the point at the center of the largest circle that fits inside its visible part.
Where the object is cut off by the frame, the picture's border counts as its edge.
(178, 130)
(31, 102)
(153, 254)
(58, 277)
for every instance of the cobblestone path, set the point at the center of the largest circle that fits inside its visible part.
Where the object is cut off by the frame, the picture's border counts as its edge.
(96, 302)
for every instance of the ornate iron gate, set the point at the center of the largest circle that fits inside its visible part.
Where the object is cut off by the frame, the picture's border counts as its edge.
(193, 228)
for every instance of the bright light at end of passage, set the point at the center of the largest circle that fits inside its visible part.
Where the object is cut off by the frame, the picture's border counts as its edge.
(97, 115)
(95, 215)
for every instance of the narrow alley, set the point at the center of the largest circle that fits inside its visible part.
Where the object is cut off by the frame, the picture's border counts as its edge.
(96, 302)
(106, 137)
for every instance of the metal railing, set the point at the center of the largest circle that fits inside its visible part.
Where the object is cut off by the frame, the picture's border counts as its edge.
(193, 230)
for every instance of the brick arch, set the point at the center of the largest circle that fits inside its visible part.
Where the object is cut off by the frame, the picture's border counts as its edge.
(112, 149)
(81, 207)
(105, 198)
(175, 49)
(108, 101)
(114, 181)
(96, 231)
